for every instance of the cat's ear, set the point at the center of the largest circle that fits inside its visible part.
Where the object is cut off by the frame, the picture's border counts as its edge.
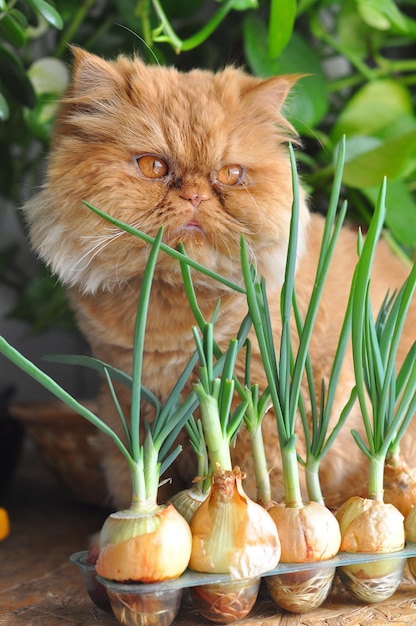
(272, 92)
(92, 75)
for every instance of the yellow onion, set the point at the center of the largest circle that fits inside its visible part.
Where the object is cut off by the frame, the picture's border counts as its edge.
(373, 527)
(309, 533)
(231, 534)
(410, 531)
(187, 501)
(144, 547)
(400, 485)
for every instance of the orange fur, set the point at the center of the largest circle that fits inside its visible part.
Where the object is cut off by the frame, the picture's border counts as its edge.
(197, 122)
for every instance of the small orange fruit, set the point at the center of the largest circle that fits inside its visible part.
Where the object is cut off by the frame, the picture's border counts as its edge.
(4, 524)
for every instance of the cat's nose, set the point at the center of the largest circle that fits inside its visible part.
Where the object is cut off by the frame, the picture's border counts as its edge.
(195, 198)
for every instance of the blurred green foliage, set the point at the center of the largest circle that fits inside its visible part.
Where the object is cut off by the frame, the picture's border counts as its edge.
(357, 58)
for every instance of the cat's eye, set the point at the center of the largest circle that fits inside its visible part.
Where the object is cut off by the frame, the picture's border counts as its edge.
(152, 166)
(230, 175)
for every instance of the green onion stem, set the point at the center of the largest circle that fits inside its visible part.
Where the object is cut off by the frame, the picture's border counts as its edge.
(138, 345)
(51, 385)
(165, 248)
(138, 486)
(261, 472)
(286, 372)
(217, 444)
(253, 418)
(293, 496)
(313, 484)
(375, 344)
(362, 277)
(376, 477)
(215, 395)
(197, 439)
(278, 370)
(330, 237)
(248, 394)
(318, 441)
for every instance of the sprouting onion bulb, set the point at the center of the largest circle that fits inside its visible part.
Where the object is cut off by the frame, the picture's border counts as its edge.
(400, 484)
(230, 532)
(314, 540)
(187, 501)
(399, 476)
(144, 547)
(369, 524)
(392, 394)
(144, 526)
(257, 404)
(147, 542)
(313, 535)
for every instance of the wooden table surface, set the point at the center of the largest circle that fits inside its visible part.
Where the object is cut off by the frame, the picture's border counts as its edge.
(40, 587)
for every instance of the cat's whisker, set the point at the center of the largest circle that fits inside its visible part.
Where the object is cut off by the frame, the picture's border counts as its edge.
(111, 233)
(152, 52)
(102, 241)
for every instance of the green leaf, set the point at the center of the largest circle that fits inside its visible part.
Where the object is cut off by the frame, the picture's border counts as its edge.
(48, 12)
(380, 108)
(367, 166)
(11, 30)
(401, 212)
(352, 31)
(41, 118)
(4, 108)
(381, 14)
(244, 5)
(19, 17)
(308, 103)
(49, 76)
(13, 76)
(281, 22)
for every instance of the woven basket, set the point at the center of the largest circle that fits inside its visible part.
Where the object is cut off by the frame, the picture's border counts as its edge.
(67, 445)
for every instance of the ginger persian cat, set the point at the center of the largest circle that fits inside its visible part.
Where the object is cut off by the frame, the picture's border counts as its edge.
(205, 155)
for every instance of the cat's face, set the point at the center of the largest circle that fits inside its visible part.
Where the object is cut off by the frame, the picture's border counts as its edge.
(204, 155)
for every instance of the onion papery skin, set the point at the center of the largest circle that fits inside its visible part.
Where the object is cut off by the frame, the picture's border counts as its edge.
(410, 531)
(144, 547)
(309, 533)
(400, 486)
(370, 526)
(231, 533)
(187, 501)
(375, 527)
